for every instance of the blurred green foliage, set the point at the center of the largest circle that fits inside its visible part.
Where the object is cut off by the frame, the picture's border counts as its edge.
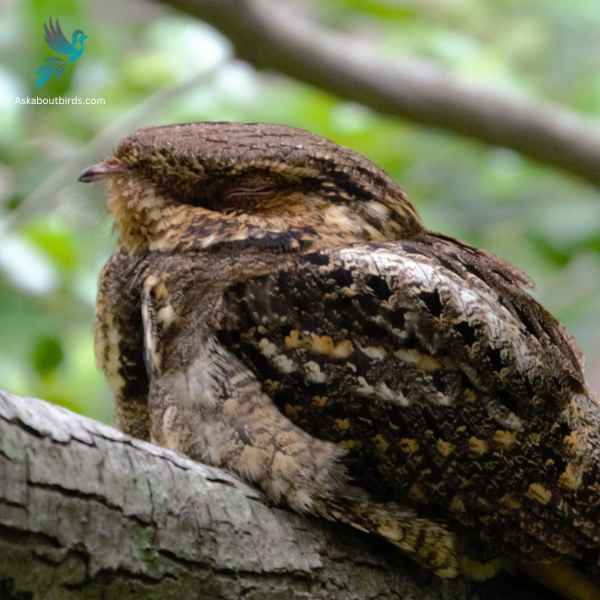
(543, 221)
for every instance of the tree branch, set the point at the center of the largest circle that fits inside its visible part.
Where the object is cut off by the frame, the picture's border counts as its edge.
(271, 35)
(83, 507)
(87, 512)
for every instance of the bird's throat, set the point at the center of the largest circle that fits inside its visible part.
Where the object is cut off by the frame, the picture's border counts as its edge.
(145, 219)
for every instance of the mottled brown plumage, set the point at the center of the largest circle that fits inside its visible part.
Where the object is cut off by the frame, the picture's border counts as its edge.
(276, 307)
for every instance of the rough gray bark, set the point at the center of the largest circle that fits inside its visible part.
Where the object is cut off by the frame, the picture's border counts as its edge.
(271, 35)
(87, 512)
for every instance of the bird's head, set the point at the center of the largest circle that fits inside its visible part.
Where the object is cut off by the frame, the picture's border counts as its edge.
(203, 185)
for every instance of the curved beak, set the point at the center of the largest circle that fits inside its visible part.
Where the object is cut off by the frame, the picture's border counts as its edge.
(103, 169)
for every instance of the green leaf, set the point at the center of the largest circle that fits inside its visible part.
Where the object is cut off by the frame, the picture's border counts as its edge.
(56, 241)
(47, 354)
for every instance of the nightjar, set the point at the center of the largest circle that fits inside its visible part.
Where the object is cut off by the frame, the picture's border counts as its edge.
(276, 307)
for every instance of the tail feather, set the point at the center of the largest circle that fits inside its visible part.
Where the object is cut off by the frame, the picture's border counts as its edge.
(425, 541)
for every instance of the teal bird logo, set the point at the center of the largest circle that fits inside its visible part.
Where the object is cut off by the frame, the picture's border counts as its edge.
(71, 51)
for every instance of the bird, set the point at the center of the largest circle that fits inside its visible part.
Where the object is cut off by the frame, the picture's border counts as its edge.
(276, 307)
(71, 52)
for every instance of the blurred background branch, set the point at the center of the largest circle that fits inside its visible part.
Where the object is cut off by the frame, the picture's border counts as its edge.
(271, 35)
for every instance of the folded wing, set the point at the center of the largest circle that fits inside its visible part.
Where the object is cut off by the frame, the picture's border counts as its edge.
(444, 381)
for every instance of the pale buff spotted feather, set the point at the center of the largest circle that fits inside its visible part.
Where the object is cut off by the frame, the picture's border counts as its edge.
(290, 319)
